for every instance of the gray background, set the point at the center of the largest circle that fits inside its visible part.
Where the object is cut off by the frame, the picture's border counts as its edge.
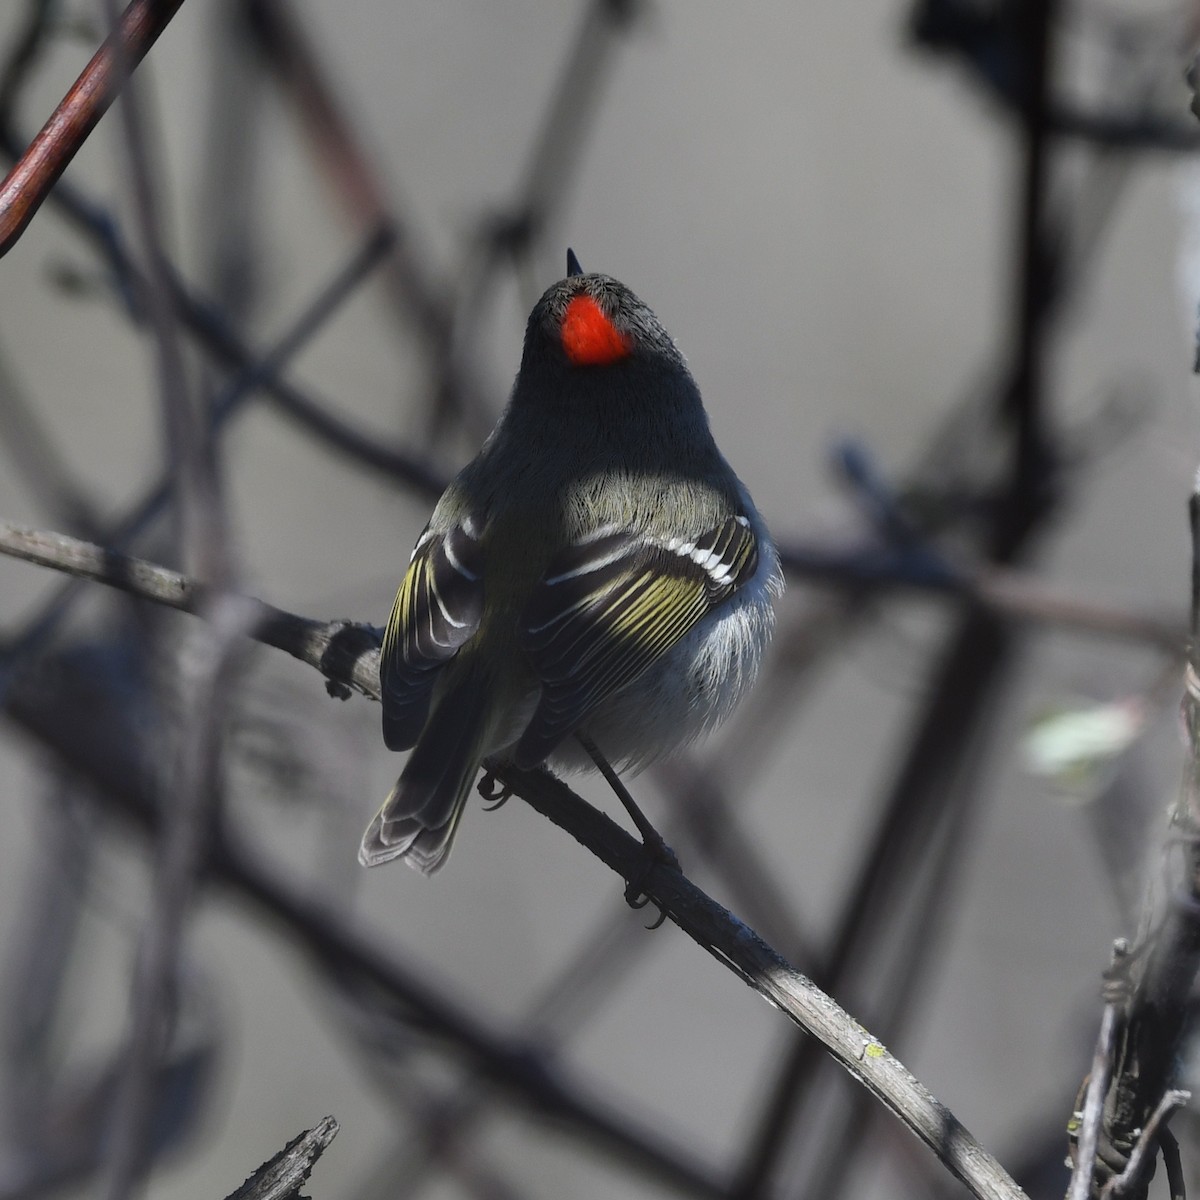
(823, 218)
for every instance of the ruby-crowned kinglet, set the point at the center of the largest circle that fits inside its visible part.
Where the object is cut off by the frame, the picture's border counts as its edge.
(598, 568)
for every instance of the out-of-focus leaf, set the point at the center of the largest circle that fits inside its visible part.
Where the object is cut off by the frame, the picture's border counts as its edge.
(1073, 747)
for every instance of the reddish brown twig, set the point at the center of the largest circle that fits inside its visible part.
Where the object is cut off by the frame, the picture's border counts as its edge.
(38, 169)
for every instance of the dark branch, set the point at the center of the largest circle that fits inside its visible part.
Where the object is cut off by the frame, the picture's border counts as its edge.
(715, 929)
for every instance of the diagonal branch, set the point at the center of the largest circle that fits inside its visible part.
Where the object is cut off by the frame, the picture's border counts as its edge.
(282, 1176)
(38, 169)
(697, 914)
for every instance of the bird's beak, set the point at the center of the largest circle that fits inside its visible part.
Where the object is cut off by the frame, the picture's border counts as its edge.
(573, 267)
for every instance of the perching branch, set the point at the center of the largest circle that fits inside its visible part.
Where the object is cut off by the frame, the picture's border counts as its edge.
(747, 955)
(346, 653)
(696, 913)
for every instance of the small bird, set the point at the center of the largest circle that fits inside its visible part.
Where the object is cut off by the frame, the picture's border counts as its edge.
(598, 570)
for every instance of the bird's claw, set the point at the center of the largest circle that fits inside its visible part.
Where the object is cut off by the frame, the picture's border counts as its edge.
(638, 899)
(657, 853)
(493, 791)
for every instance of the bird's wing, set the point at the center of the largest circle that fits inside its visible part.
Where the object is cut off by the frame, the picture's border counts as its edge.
(609, 607)
(437, 610)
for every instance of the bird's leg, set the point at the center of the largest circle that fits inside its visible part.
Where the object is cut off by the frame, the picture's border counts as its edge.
(657, 850)
(652, 839)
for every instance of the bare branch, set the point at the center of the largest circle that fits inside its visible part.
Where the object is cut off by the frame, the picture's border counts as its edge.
(1092, 1117)
(1147, 1144)
(1170, 1152)
(345, 653)
(282, 1177)
(740, 948)
(37, 170)
(698, 915)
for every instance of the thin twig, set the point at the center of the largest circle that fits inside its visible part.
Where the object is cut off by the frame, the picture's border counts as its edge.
(1194, 607)
(1159, 1009)
(1169, 1147)
(1036, 283)
(603, 960)
(35, 969)
(23, 53)
(556, 148)
(1092, 1117)
(517, 1065)
(703, 804)
(180, 859)
(1147, 1144)
(969, 671)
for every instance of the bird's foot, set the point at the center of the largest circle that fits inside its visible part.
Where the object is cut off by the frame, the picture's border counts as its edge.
(656, 853)
(493, 791)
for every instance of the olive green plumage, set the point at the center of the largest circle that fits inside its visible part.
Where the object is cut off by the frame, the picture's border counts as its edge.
(598, 567)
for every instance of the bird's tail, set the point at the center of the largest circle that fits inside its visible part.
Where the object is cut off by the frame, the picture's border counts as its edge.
(420, 817)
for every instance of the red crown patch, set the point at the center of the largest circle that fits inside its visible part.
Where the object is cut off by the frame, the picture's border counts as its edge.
(589, 337)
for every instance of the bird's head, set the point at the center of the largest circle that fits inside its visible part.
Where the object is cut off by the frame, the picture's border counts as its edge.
(592, 323)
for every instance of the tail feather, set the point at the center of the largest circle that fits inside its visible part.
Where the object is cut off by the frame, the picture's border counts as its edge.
(420, 817)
